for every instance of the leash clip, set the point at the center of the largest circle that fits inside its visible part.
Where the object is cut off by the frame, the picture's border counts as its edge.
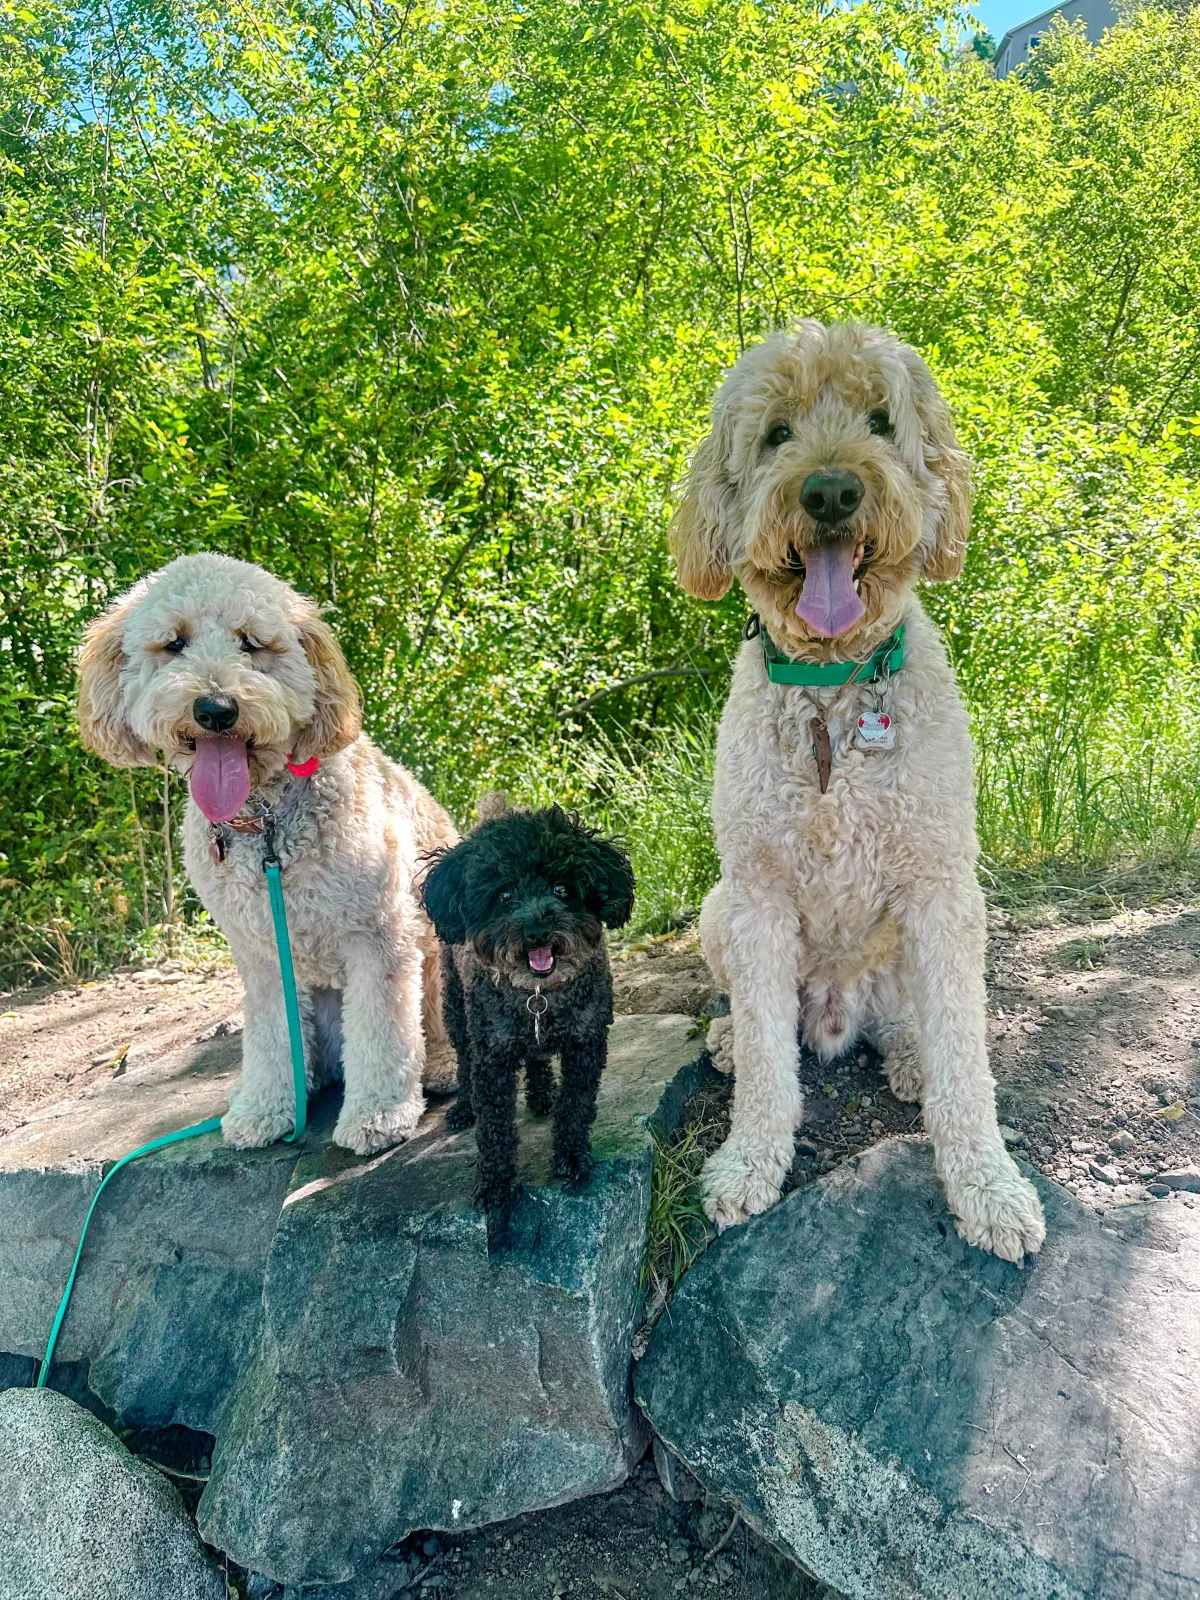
(270, 854)
(753, 626)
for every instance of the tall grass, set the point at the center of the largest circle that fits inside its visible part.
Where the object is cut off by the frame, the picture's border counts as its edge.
(656, 797)
(1065, 799)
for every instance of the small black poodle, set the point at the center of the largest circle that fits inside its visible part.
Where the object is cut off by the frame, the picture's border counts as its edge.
(520, 907)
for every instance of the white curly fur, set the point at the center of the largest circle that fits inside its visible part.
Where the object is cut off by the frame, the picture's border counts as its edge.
(856, 912)
(366, 957)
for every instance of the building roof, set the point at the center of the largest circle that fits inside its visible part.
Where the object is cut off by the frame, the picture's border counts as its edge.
(1042, 16)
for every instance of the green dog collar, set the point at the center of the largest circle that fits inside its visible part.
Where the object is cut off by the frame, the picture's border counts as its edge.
(887, 659)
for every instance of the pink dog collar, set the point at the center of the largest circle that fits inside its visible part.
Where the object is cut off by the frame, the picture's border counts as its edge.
(304, 769)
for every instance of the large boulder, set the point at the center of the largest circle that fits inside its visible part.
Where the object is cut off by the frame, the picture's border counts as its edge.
(366, 1363)
(409, 1375)
(908, 1417)
(166, 1305)
(82, 1519)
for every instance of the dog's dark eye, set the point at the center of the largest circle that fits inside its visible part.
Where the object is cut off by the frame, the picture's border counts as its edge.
(560, 889)
(778, 435)
(250, 646)
(505, 896)
(175, 646)
(879, 422)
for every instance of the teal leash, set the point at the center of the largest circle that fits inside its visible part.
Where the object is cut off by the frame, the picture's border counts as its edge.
(212, 1124)
(291, 1000)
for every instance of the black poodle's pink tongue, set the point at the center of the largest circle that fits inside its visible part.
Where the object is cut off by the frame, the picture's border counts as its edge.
(541, 959)
(220, 778)
(830, 604)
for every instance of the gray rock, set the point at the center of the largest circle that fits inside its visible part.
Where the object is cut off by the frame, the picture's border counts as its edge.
(1104, 1173)
(908, 1417)
(410, 1376)
(82, 1519)
(1187, 1178)
(366, 1363)
(183, 1231)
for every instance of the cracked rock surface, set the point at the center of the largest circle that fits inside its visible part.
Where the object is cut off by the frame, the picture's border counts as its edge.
(366, 1361)
(908, 1417)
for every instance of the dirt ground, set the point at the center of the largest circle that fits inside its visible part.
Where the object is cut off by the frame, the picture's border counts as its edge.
(58, 1043)
(1094, 1038)
(635, 1544)
(1094, 1033)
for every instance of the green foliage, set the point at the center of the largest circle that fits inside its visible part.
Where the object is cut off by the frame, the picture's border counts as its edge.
(421, 306)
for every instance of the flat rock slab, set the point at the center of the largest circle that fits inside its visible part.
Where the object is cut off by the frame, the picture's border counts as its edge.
(908, 1417)
(367, 1365)
(82, 1519)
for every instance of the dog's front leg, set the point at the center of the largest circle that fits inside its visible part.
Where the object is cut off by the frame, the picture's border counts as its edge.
(263, 1106)
(494, 1090)
(994, 1206)
(383, 1050)
(759, 937)
(582, 1063)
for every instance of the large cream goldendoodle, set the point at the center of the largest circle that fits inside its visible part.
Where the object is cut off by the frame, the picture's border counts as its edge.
(230, 672)
(848, 903)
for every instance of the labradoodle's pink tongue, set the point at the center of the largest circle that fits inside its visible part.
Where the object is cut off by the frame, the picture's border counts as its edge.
(830, 603)
(541, 960)
(220, 778)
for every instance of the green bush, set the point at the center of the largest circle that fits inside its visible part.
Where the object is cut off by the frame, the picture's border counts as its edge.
(422, 306)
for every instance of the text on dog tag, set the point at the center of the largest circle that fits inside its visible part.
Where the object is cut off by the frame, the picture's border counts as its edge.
(876, 730)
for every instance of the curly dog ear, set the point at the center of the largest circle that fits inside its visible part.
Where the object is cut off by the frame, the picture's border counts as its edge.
(102, 724)
(698, 535)
(337, 719)
(944, 560)
(606, 879)
(443, 894)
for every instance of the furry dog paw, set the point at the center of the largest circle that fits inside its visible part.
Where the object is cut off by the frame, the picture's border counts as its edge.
(903, 1072)
(251, 1127)
(573, 1165)
(997, 1209)
(366, 1133)
(461, 1114)
(720, 1043)
(733, 1189)
(441, 1071)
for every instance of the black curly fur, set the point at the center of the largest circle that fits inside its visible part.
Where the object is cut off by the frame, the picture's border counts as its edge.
(527, 881)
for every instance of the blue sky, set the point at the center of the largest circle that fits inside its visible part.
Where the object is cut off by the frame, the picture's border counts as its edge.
(998, 16)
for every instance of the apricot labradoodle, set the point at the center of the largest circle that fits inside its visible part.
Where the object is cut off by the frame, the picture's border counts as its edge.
(240, 682)
(844, 805)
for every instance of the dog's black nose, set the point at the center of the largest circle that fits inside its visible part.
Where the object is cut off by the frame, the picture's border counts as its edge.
(831, 497)
(215, 713)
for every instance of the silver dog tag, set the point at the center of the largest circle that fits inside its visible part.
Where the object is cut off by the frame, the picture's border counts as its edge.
(876, 730)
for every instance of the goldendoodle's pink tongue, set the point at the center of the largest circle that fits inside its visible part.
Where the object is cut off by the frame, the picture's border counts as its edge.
(542, 959)
(830, 603)
(220, 778)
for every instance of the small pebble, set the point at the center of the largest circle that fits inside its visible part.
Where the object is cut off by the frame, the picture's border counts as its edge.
(1055, 1066)
(1106, 1174)
(1158, 1190)
(1120, 1119)
(1122, 1142)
